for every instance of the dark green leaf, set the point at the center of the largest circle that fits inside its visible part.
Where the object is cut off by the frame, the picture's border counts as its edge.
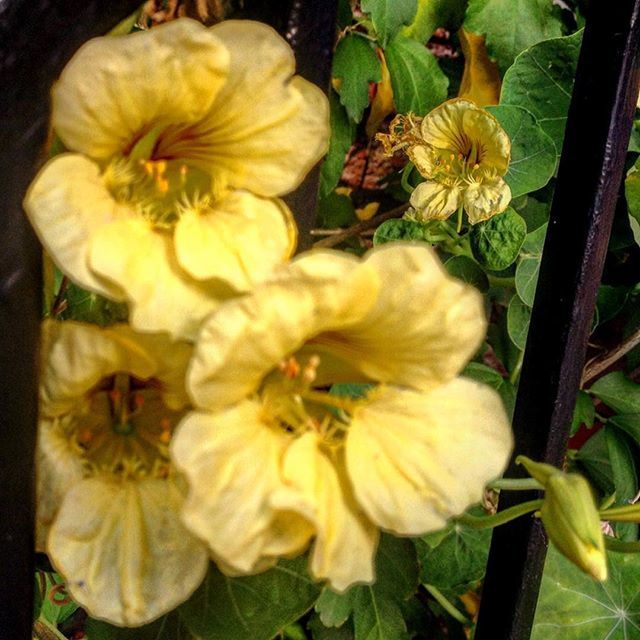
(533, 153)
(593, 458)
(629, 423)
(534, 212)
(496, 243)
(356, 65)
(417, 81)
(389, 15)
(584, 412)
(527, 279)
(336, 210)
(320, 632)
(253, 607)
(169, 627)
(541, 81)
(511, 26)
(518, 317)
(534, 242)
(610, 301)
(469, 271)
(618, 392)
(391, 230)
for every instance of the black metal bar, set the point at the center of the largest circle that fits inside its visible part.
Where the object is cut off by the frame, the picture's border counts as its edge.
(589, 178)
(37, 37)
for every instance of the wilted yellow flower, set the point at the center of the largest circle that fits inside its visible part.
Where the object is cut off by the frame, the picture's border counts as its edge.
(109, 498)
(181, 138)
(273, 459)
(462, 152)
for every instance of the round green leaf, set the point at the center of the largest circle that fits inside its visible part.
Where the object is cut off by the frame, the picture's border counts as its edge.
(496, 243)
(391, 230)
(527, 279)
(467, 270)
(518, 317)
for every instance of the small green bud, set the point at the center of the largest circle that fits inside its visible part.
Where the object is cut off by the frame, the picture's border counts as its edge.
(570, 517)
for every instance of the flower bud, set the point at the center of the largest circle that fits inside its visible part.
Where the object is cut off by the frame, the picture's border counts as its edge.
(570, 517)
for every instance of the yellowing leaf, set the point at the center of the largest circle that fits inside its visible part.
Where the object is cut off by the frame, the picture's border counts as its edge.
(382, 104)
(481, 78)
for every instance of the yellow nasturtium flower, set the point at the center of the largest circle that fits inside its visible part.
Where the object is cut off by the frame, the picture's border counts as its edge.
(273, 459)
(109, 498)
(462, 152)
(181, 138)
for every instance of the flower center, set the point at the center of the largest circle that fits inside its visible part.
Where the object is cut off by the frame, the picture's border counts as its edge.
(463, 163)
(125, 428)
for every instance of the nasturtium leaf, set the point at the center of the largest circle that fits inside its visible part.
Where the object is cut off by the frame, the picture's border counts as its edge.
(391, 230)
(345, 15)
(534, 212)
(459, 558)
(534, 242)
(336, 210)
(320, 632)
(467, 270)
(573, 606)
(541, 81)
(169, 627)
(618, 392)
(632, 193)
(593, 460)
(375, 609)
(518, 317)
(527, 278)
(629, 423)
(418, 83)
(389, 15)
(496, 243)
(253, 607)
(584, 413)
(355, 65)
(610, 301)
(533, 153)
(57, 604)
(511, 26)
(432, 14)
(343, 132)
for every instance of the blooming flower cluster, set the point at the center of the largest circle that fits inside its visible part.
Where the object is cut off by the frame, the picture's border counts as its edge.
(207, 428)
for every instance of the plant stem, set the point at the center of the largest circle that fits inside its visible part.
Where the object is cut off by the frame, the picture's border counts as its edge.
(515, 374)
(599, 364)
(449, 607)
(632, 546)
(488, 522)
(459, 226)
(44, 630)
(516, 484)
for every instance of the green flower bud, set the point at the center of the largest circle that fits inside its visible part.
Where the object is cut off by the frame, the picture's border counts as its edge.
(570, 517)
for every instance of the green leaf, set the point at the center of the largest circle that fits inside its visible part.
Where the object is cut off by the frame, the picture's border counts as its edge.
(391, 230)
(573, 606)
(584, 412)
(253, 607)
(541, 81)
(632, 193)
(57, 605)
(511, 26)
(336, 210)
(629, 423)
(533, 153)
(593, 459)
(618, 392)
(527, 278)
(518, 317)
(169, 627)
(534, 212)
(469, 271)
(343, 131)
(389, 15)
(610, 301)
(458, 560)
(375, 609)
(320, 632)
(496, 243)
(356, 64)
(534, 242)
(432, 14)
(418, 83)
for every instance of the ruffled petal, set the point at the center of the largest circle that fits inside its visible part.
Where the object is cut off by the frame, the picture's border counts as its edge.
(231, 460)
(123, 550)
(435, 200)
(480, 125)
(345, 544)
(443, 127)
(238, 240)
(483, 200)
(161, 295)
(249, 337)
(417, 459)
(117, 89)
(66, 203)
(265, 130)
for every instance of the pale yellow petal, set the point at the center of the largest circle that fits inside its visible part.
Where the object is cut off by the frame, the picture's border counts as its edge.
(443, 127)
(265, 131)
(238, 240)
(345, 544)
(435, 200)
(422, 329)
(239, 344)
(117, 89)
(161, 295)
(66, 203)
(424, 158)
(123, 551)
(417, 459)
(483, 200)
(479, 125)
(231, 461)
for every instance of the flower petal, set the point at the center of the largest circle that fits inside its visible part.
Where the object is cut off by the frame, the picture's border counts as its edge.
(265, 131)
(231, 460)
(123, 551)
(161, 295)
(66, 203)
(417, 459)
(239, 240)
(480, 125)
(116, 89)
(346, 542)
(483, 200)
(435, 200)
(443, 127)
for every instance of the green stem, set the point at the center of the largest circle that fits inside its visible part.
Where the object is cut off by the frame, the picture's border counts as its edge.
(501, 281)
(632, 546)
(515, 374)
(502, 517)
(516, 484)
(459, 226)
(452, 610)
(44, 630)
(627, 513)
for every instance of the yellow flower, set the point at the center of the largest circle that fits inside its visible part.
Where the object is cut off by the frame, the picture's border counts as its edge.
(181, 138)
(462, 152)
(273, 459)
(109, 498)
